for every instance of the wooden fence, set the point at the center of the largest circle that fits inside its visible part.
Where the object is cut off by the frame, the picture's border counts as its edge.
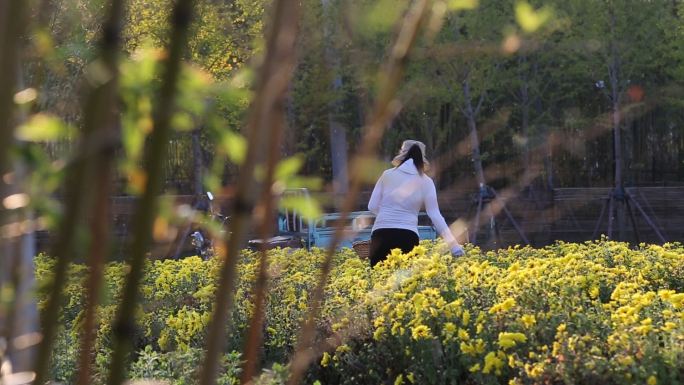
(568, 214)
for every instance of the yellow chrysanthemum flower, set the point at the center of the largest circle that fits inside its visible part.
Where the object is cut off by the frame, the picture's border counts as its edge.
(503, 306)
(528, 320)
(509, 340)
(325, 361)
(420, 332)
(492, 362)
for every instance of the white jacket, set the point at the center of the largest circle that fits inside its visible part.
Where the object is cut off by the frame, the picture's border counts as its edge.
(399, 195)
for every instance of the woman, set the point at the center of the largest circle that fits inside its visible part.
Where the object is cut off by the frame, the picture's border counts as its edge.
(397, 198)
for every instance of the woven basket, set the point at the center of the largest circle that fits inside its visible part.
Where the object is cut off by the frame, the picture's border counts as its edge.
(362, 248)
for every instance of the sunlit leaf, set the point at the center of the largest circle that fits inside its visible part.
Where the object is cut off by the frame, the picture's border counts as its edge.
(195, 84)
(138, 180)
(308, 182)
(289, 167)
(97, 73)
(439, 11)
(135, 129)
(368, 169)
(16, 201)
(212, 182)
(141, 68)
(306, 207)
(530, 19)
(243, 79)
(234, 96)
(161, 229)
(43, 128)
(182, 122)
(25, 96)
(19, 378)
(195, 77)
(43, 43)
(511, 44)
(6, 293)
(235, 146)
(27, 340)
(147, 382)
(458, 5)
(259, 172)
(381, 16)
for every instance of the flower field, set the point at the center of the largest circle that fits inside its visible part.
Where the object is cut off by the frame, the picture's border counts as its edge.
(597, 312)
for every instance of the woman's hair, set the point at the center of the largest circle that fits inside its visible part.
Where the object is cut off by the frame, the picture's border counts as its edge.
(417, 155)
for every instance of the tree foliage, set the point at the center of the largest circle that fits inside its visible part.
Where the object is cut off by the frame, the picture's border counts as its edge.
(540, 68)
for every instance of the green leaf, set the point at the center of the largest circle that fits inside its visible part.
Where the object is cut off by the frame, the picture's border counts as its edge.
(306, 207)
(236, 91)
(381, 16)
(243, 79)
(235, 146)
(140, 70)
(458, 5)
(369, 169)
(212, 182)
(182, 121)
(195, 85)
(136, 124)
(529, 19)
(288, 167)
(97, 73)
(308, 182)
(43, 128)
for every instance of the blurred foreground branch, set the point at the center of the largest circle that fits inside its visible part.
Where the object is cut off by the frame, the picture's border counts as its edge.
(105, 97)
(266, 112)
(146, 212)
(386, 107)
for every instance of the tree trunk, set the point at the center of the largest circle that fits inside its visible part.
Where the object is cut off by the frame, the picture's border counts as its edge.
(338, 152)
(524, 128)
(617, 141)
(337, 129)
(289, 145)
(614, 76)
(476, 157)
(197, 166)
(525, 115)
(474, 139)
(548, 162)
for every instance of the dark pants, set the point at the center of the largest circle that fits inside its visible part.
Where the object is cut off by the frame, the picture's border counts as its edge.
(384, 240)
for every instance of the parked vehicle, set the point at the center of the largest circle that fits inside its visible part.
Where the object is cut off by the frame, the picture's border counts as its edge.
(296, 231)
(196, 239)
(290, 225)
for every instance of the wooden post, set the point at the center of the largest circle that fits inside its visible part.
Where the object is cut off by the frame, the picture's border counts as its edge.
(648, 220)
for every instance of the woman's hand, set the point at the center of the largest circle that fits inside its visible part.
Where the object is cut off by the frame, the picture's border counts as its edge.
(457, 250)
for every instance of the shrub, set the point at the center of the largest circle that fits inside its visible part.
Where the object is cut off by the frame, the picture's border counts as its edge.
(597, 312)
